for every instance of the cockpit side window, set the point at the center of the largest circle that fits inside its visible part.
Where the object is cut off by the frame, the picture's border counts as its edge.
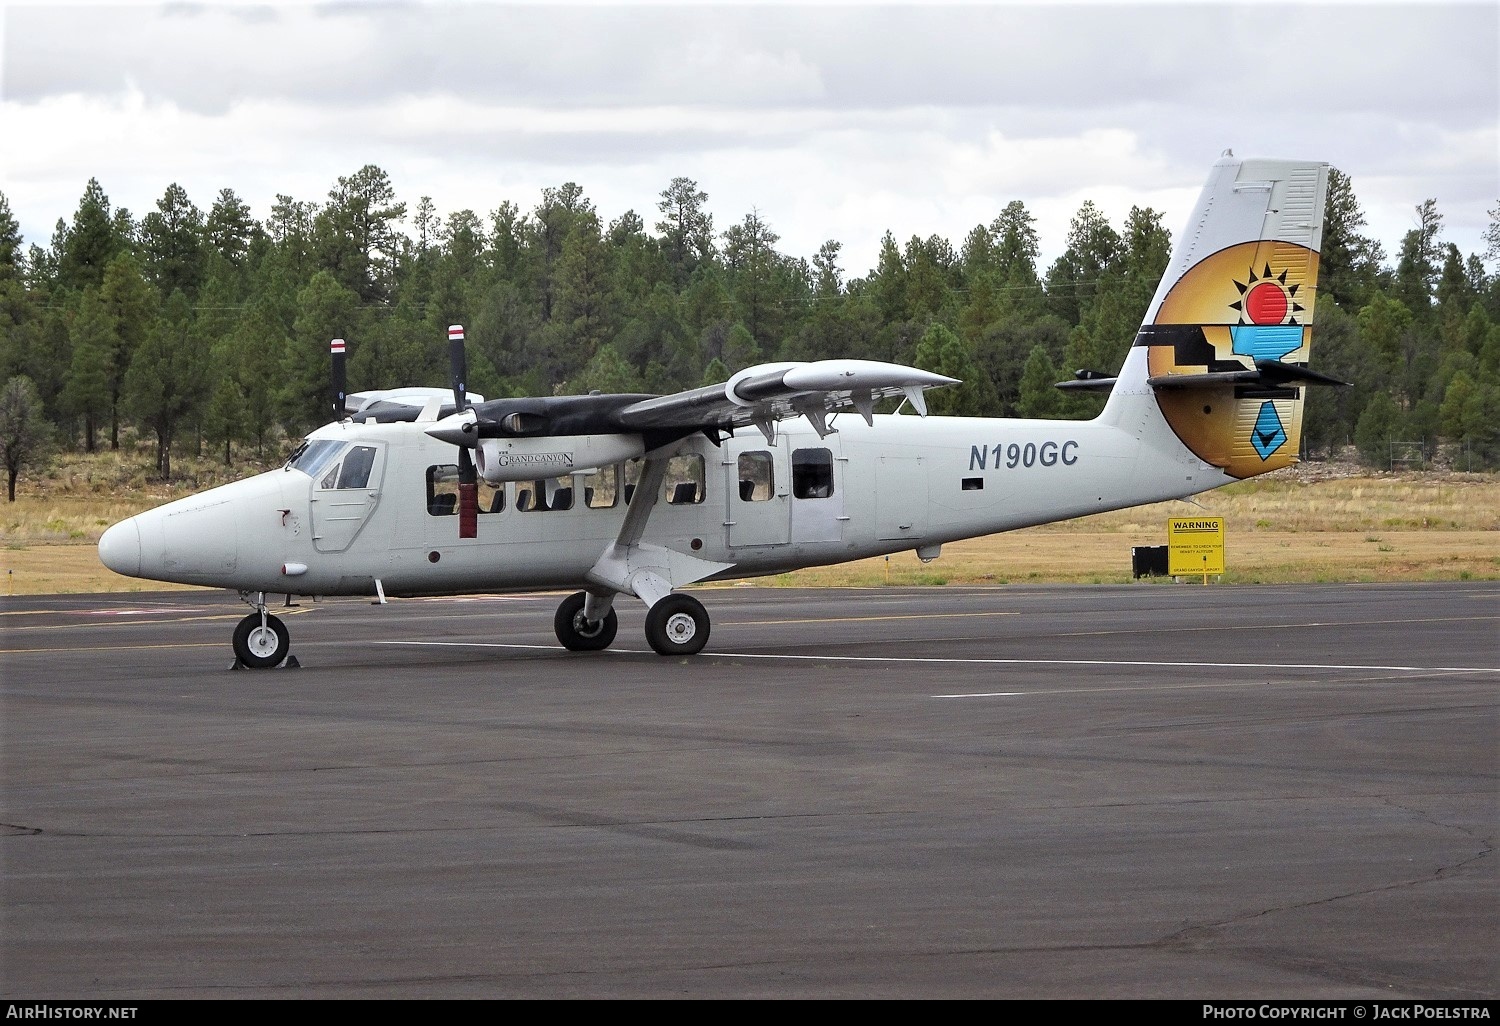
(357, 467)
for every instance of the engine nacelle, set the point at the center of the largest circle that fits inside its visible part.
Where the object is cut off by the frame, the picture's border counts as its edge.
(529, 459)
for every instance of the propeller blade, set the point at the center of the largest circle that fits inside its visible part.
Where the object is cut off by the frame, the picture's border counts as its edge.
(458, 367)
(468, 474)
(336, 350)
(468, 495)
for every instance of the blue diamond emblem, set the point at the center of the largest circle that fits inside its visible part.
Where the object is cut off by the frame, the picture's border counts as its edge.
(1267, 435)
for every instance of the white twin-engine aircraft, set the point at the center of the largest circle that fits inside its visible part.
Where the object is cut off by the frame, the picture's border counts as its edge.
(430, 492)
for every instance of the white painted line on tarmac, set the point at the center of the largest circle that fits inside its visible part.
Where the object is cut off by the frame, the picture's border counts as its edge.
(956, 660)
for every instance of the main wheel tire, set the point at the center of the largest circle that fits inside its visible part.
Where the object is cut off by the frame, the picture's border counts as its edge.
(576, 633)
(677, 625)
(261, 647)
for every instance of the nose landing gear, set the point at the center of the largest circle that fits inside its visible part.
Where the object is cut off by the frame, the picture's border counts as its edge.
(261, 640)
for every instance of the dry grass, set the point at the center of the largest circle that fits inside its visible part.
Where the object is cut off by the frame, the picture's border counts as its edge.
(50, 532)
(1292, 526)
(1282, 528)
(1046, 555)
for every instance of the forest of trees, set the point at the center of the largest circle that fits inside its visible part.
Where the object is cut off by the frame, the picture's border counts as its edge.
(197, 329)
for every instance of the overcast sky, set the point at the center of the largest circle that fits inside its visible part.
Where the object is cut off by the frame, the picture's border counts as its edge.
(835, 121)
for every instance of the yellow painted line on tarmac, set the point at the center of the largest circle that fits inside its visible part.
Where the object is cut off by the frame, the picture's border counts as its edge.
(107, 612)
(150, 623)
(63, 612)
(107, 648)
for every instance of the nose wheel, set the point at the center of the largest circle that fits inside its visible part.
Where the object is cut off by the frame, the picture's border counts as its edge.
(261, 641)
(677, 625)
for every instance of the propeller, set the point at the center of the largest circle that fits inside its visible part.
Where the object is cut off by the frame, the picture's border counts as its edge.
(468, 474)
(336, 349)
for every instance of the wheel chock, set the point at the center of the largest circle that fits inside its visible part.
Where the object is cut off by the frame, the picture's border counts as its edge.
(289, 663)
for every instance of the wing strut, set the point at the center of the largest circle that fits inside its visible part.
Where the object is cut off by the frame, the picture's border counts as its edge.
(628, 567)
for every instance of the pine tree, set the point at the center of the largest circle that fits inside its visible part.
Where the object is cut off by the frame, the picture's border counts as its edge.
(132, 305)
(25, 434)
(166, 379)
(87, 391)
(172, 242)
(687, 229)
(943, 352)
(1040, 396)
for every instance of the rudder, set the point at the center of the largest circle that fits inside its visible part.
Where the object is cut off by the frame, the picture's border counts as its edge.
(1227, 337)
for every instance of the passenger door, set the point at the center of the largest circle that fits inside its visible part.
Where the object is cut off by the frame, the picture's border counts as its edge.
(817, 479)
(757, 492)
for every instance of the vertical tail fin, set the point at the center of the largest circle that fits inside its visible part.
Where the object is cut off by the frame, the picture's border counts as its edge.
(1224, 347)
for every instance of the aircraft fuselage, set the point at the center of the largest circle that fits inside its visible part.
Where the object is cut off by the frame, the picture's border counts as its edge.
(761, 507)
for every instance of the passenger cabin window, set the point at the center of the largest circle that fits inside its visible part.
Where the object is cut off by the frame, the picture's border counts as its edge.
(442, 492)
(491, 499)
(601, 489)
(553, 493)
(684, 481)
(757, 477)
(812, 473)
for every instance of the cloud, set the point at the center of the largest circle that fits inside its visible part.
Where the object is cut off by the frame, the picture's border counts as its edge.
(831, 121)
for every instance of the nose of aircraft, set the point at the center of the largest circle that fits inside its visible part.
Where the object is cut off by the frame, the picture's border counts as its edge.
(120, 548)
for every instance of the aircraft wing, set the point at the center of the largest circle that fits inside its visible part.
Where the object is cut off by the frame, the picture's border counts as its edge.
(759, 395)
(767, 393)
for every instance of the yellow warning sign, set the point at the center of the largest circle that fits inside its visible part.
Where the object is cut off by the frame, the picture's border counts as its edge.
(1195, 545)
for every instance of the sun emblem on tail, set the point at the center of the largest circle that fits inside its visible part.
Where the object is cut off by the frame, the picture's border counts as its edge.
(1268, 309)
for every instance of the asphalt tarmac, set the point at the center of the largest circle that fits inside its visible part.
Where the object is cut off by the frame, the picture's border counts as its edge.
(1141, 791)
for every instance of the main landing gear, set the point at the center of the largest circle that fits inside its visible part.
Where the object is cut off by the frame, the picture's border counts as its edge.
(677, 625)
(577, 632)
(261, 640)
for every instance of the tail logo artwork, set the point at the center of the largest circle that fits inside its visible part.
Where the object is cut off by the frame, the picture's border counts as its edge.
(1268, 328)
(1269, 433)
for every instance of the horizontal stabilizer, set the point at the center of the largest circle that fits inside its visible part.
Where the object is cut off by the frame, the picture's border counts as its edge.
(1088, 381)
(1266, 374)
(1086, 384)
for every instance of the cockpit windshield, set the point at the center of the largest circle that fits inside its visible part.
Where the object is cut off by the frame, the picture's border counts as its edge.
(313, 456)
